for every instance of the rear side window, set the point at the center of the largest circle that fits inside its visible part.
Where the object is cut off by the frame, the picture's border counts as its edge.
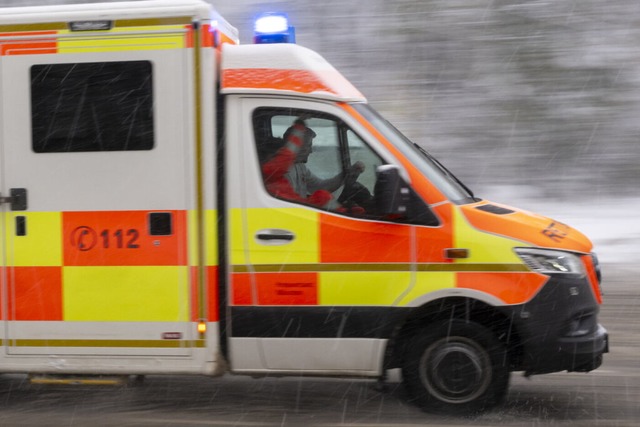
(100, 106)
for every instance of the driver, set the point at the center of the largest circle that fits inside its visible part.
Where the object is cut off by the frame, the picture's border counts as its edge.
(303, 181)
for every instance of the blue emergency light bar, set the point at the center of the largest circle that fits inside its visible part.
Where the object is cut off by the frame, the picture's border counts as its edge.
(273, 28)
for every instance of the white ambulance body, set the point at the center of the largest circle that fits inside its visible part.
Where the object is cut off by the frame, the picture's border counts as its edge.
(142, 235)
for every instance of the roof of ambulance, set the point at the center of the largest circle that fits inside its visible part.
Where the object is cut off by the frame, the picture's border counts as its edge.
(106, 10)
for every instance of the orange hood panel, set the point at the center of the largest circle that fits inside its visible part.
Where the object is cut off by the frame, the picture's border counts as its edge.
(528, 227)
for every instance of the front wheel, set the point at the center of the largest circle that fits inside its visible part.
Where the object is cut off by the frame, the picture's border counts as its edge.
(456, 367)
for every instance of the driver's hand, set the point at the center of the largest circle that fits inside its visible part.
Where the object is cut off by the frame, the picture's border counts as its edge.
(358, 167)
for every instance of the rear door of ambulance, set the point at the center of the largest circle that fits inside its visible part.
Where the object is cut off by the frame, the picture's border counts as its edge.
(95, 137)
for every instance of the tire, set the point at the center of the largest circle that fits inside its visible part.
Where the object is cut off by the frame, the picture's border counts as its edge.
(456, 367)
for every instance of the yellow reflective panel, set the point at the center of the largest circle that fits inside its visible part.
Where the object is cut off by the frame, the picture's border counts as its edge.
(236, 237)
(362, 288)
(126, 294)
(192, 227)
(483, 247)
(211, 236)
(156, 37)
(41, 246)
(301, 223)
(427, 282)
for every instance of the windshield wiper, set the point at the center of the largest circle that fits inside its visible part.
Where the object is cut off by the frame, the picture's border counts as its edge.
(446, 171)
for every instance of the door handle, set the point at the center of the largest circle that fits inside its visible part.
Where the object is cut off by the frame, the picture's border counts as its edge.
(275, 236)
(17, 199)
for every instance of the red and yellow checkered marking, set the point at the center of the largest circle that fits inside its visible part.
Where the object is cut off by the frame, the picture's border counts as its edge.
(335, 260)
(346, 240)
(275, 289)
(119, 38)
(104, 266)
(121, 238)
(39, 44)
(511, 288)
(35, 293)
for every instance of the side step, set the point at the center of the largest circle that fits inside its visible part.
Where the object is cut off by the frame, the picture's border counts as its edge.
(102, 380)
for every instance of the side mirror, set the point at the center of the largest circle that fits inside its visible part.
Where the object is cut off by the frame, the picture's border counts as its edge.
(391, 193)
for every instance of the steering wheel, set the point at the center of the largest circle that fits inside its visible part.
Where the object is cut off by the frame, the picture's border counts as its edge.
(349, 187)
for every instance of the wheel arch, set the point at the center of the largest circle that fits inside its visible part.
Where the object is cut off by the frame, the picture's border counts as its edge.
(494, 318)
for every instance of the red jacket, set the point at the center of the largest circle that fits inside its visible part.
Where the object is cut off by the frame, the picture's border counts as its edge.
(273, 171)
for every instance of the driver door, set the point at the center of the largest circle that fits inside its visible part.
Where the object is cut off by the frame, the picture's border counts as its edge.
(312, 288)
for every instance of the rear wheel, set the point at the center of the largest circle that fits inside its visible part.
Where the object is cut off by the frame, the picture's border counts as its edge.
(456, 367)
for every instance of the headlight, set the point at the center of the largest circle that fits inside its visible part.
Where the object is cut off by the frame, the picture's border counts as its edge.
(547, 261)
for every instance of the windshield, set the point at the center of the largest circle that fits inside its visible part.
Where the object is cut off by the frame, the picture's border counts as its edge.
(431, 168)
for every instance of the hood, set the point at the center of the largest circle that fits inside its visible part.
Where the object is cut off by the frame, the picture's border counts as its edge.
(537, 230)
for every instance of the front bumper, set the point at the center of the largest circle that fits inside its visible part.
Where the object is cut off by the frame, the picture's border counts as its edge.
(559, 330)
(581, 354)
(584, 354)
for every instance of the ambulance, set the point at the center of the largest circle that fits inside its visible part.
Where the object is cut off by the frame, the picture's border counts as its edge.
(140, 234)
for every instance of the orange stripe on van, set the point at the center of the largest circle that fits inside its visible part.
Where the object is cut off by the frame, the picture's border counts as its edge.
(122, 238)
(241, 293)
(189, 36)
(593, 277)
(211, 296)
(348, 241)
(28, 47)
(302, 81)
(275, 288)
(432, 242)
(512, 288)
(223, 38)
(207, 36)
(35, 293)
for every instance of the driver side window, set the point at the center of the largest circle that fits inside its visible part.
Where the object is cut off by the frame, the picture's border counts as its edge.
(314, 159)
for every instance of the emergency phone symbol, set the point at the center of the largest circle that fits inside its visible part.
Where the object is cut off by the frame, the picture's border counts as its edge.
(84, 238)
(556, 231)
